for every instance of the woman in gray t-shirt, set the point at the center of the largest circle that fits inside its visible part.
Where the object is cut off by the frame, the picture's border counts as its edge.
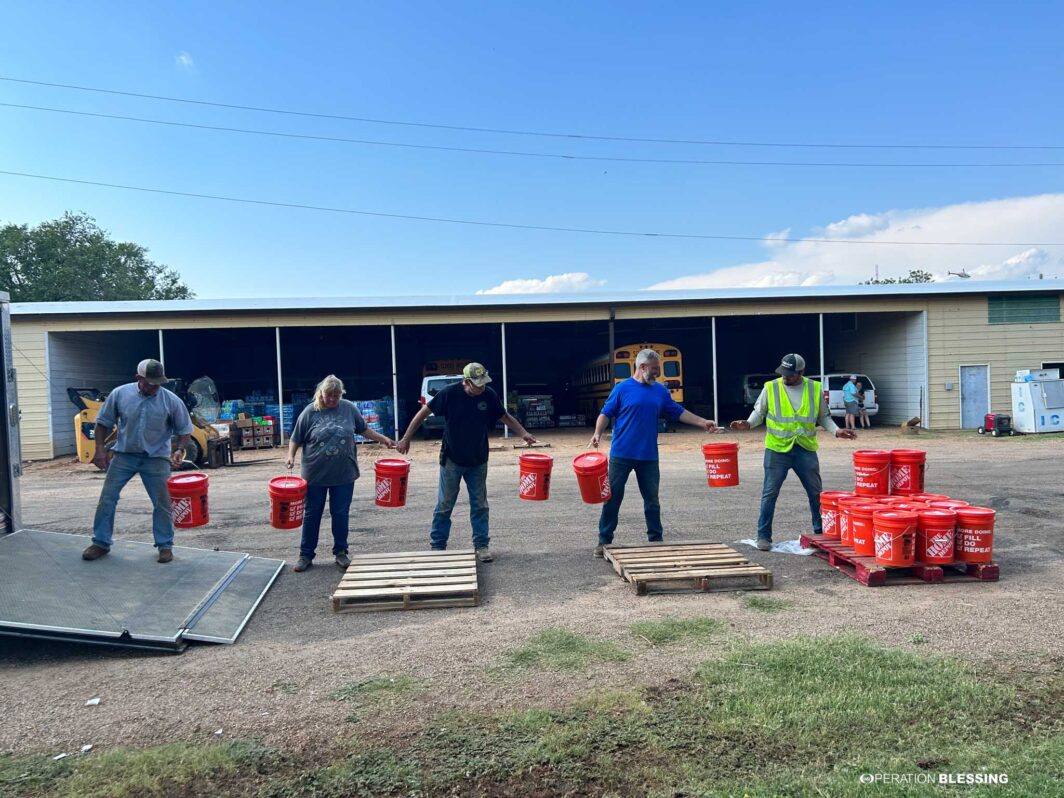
(326, 431)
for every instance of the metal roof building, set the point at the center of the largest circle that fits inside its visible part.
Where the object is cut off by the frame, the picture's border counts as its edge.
(943, 351)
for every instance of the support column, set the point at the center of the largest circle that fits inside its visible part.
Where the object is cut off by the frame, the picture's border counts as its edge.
(613, 348)
(505, 392)
(280, 386)
(823, 366)
(395, 390)
(162, 351)
(716, 407)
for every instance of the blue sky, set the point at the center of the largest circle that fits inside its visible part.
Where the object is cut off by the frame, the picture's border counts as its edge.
(901, 73)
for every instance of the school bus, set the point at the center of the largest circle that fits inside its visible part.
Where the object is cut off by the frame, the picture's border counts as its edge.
(593, 384)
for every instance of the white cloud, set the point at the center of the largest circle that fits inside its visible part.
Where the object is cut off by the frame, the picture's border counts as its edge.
(1038, 219)
(184, 61)
(570, 282)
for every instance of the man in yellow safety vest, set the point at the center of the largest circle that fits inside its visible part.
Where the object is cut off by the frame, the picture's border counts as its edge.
(790, 407)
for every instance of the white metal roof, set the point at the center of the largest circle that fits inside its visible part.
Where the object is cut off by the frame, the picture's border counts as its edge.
(510, 300)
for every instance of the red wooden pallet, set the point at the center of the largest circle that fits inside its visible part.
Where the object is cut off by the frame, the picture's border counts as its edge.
(868, 572)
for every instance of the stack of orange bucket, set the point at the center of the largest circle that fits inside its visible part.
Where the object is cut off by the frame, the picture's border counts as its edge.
(889, 516)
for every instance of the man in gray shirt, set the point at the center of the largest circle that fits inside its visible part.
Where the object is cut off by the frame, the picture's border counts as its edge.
(148, 416)
(791, 408)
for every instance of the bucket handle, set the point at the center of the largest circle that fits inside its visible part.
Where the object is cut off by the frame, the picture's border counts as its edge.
(904, 532)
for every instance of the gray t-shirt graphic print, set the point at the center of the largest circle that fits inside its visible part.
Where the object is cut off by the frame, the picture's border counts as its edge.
(327, 438)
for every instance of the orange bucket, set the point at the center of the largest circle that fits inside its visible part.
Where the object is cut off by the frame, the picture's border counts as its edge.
(907, 467)
(288, 497)
(722, 464)
(593, 476)
(935, 534)
(842, 519)
(895, 537)
(928, 497)
(871, 472)
(829, 512)
(948, 504)
(535, 476)
(391, 478)
(188, 500)
(975, 534)
(861, 528)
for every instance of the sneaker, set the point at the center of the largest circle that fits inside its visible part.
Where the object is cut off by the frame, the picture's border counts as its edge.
(166, 555)
(655, 541)
(483, 555)
(94, 552)
(302, 564)
(764, 544)
(342, 559)
(600, 550)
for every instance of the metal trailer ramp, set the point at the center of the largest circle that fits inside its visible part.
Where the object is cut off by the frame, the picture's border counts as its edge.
(126, 598)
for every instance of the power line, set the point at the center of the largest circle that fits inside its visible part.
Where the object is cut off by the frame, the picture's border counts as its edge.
(515, 226)
(538, 133)
(519, 153)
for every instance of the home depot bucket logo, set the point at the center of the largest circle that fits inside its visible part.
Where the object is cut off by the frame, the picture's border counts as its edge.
(884, 542)
(528, 484)
(384, 489)
(604, 488)
(901, 477)
(940, 545)
(181, 509)
(828, 519)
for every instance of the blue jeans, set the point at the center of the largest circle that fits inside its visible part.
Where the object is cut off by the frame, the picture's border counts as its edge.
(648, 476)
(476, 480)
(339, 509)
(807, 466)
(154, 471)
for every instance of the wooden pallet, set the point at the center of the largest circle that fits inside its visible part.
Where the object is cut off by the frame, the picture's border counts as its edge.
(709, 567)
(411, 580)
(868, 572)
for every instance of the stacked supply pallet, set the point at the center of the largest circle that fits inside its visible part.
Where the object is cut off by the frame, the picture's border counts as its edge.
(287, 414)
(536, 411)
(370, 410)
(577, 420)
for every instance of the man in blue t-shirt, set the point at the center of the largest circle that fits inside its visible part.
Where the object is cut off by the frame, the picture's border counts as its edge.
(635, 406)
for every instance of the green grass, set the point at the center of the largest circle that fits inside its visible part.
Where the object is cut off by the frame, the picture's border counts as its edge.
(561, 650)
(803, 717)
(766, 604)
(675, 630)
(164, 770)
(378, 688)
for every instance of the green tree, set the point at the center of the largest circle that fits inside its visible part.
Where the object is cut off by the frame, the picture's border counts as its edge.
(914, 276)
(73, 259)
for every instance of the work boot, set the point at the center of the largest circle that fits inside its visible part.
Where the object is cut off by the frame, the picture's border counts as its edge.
(166, 555)
(343, 560)
(483, 555)
(600, 550)
(94, 552)
(764, 544)
(302, 564)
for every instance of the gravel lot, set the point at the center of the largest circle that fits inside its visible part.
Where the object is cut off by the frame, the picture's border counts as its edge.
(275, 682)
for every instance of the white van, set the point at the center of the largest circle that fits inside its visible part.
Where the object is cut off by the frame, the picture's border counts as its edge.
(430, 386)
(833, 393)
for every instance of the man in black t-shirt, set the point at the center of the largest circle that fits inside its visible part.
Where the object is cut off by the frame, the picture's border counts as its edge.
(470, 410)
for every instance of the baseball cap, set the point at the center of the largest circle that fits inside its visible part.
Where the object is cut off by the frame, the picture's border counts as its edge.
(791, 364)
(152, 371)
(476, 374)
(853, 376)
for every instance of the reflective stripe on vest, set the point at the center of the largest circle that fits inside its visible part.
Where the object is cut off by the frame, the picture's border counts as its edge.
(783, 425)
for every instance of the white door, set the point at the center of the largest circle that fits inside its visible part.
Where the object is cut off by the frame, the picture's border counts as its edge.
(975, 395)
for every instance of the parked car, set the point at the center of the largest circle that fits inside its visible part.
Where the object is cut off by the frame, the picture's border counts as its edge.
(833, 393)
(430, 386)
(752, 385)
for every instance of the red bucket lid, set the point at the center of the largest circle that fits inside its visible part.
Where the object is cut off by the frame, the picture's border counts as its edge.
(722, 447)
(948, 504)
(288, 483)
(391, 464)
(897, 516)
(188, 480)
(938, 515)
(535, 458)
(908, 454)
(871, 454)
(976, 513)
(590, 460)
